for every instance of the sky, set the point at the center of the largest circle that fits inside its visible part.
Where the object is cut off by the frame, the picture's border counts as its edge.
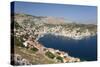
(76, 13)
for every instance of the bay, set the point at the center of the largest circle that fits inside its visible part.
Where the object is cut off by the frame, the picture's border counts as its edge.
(85, 49)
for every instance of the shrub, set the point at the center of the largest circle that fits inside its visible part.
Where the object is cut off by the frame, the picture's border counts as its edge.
(59, 58)
(18, 42)
(16, 25)
(50, 55)
(34, 49)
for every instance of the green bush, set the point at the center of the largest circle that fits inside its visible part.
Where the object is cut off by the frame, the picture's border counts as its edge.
(59, 58)
(18, 41)
(16, 25)
(50, 55)
(34, 49)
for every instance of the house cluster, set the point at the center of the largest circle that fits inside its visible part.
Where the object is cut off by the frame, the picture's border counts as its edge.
(41, 29)
(31, 43)
(30, 40)
(64, 31)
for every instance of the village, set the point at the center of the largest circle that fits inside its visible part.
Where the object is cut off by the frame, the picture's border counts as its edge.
(30, 42)
(28, 32)
(66, 32)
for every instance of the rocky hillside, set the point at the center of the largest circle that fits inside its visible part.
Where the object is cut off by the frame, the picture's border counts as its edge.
(38, 19)
(43, 25)
(28, 29)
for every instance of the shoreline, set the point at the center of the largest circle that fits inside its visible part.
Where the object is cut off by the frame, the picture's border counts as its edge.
(74, 38)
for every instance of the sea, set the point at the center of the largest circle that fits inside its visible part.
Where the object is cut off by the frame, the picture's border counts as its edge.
(85, 49)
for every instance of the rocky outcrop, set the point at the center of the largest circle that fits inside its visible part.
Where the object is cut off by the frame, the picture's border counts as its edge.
(19, 60)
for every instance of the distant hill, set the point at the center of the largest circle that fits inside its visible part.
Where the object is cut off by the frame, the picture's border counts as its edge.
(40, 19)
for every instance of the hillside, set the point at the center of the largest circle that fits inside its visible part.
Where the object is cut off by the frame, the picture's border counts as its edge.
(28, 29)
(43, 25)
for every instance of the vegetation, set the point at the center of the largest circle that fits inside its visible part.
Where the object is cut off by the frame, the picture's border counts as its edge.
(50, 55)
(16, 25)
(34, 58)
(31, 25)
(18, 42)
(59, 58)
(34, 49)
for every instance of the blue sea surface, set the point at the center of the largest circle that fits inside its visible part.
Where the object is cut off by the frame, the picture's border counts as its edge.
(85, 49)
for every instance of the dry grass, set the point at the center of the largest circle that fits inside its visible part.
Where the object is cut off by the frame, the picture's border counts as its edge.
(34, 58)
